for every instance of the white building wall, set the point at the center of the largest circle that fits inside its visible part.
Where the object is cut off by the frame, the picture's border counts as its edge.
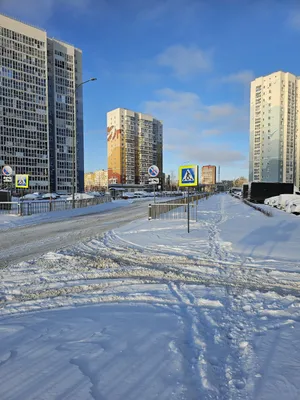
(273, 128)
(24, 101)
(39, 106)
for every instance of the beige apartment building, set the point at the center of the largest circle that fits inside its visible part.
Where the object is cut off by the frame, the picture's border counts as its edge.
(40, 108)
(274, 128)
(101, 178)
(97, 180)
(89, 181)
(134, 143)
(208, 175)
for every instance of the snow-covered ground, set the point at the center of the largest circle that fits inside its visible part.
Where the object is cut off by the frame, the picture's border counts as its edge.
(9, 221)
(148, 311)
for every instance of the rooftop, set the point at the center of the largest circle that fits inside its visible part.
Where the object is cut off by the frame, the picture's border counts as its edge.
(41, 29)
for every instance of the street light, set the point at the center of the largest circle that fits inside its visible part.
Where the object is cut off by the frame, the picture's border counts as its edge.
(74, 144)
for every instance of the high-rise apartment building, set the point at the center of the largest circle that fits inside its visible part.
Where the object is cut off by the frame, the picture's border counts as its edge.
(208, 175)
(134, 143)
(40, 109)
(65, 115)
(274, 129)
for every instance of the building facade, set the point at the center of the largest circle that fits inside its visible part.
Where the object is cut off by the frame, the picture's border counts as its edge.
(89, 181)
(134, 143)
(274, 129)
(97, 180)
(101, 179)
(208, 175)
(65, 116)
(40, 110)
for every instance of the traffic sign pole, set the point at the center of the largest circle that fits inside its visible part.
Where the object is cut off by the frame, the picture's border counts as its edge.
(188, 210)
(153, 172)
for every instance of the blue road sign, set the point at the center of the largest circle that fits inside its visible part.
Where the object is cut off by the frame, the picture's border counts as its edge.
(7, 170)
(153, 171)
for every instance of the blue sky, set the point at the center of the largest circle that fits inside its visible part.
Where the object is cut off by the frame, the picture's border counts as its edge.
(187, 62)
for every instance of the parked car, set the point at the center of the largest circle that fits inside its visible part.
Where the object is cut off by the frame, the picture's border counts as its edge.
(293, 206)
(32, 196)
(283, 199)
(95, 194)
(52, 196)
(80, 196)
(296, 209)
(271, 201)
(127, 195)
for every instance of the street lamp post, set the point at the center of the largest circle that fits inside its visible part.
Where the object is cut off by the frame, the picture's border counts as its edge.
(74, 143)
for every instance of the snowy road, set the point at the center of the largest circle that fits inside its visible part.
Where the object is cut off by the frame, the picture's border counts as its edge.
(24, 243)
(149, 312)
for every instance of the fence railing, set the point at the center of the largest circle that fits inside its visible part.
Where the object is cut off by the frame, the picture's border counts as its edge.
(175, 209)
(23, 208)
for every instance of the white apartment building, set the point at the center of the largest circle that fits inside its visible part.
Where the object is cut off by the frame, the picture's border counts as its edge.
(274, 138)
(24, 101)
(40, 109)
(134, 142)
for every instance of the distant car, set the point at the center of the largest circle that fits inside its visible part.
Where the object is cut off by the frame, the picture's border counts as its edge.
(94, 194)
(32, 196)
(126, 196)
(49, 196)
(80, 196)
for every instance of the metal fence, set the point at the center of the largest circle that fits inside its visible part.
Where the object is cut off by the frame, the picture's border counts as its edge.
(176, 209)
(23, 208)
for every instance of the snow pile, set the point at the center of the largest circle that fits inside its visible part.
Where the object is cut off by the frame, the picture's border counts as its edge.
(286, 202)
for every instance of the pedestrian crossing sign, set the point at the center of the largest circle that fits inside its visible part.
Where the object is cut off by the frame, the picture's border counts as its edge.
(188, 175)
(22, 181)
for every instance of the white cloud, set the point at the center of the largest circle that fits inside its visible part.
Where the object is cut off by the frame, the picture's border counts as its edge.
(211, 132)
(213, 154)
(173, 102)
(185, 61)
(40, 11)
(195, 131)
(216, 112)
(157, 11)
(243, 77)
(293, 20)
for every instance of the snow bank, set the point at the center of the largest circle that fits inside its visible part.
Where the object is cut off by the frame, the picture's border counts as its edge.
(13, 221)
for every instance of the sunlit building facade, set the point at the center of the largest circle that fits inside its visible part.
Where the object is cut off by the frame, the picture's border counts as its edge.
(134, 143)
